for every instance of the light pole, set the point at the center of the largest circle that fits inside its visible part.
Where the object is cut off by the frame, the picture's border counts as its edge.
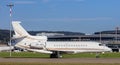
(100, 37)
(117, 28)
(10, 6)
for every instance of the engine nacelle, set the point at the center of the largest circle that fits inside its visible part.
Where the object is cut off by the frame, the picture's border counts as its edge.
(37, 46)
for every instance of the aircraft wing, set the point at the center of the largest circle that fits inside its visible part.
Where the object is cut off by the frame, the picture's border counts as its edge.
(40, 51)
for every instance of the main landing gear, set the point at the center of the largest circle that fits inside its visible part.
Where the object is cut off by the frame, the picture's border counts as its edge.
(55, 54)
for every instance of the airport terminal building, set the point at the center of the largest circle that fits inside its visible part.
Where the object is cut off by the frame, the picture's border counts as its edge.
(109, 38)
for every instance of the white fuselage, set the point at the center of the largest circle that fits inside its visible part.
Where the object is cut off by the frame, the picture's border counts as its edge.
(76, 46)
(65, 46)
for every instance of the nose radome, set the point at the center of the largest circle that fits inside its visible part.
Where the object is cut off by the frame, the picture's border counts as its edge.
(109, 49)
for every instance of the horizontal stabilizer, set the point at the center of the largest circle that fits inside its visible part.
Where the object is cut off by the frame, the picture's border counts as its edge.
(6, 48)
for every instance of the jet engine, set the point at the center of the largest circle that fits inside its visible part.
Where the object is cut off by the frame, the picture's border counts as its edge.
(36, 46)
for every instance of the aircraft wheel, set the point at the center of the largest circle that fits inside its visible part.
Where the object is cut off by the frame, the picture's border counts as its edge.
(55, 54)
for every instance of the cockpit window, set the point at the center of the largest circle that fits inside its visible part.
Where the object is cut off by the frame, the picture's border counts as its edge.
(100, 44)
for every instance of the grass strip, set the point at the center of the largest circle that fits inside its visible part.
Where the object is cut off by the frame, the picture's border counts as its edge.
(40, 55)
(17, 63)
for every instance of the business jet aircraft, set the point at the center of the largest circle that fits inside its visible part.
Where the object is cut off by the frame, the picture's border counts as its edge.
(40, 44)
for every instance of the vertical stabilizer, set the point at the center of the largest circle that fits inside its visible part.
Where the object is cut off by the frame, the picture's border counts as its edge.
(18, 29)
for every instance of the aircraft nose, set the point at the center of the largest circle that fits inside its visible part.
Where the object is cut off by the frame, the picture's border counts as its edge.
(108, 49)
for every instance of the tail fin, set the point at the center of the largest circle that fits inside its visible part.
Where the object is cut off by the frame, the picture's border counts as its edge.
(18, 29)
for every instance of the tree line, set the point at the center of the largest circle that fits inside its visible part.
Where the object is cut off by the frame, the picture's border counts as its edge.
(5, 34)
